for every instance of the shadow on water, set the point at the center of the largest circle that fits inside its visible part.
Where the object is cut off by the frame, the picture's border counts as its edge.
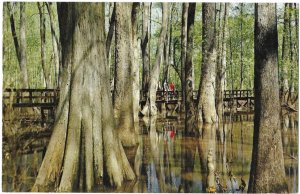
(167, 161)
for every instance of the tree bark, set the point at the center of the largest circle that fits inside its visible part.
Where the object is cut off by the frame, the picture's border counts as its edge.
(145, 48)
(150, 108)
(123, 86)
(221, 68)
(20, 48)
(110, 31)
(135, 62)
(46, 70)
(190, 112)
(84, 124)
(267, 167)
(184, 17)
(206, 96)
(55, 45)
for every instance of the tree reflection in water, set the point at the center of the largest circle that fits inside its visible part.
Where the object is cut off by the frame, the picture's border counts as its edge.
(166, 160)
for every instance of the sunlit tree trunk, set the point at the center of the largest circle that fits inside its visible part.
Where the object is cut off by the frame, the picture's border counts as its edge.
(206, 96)
(150, 108)
(145, 48)
(111, 30)
(46, 70)
(84, 135)
(135, 61)
(55, 44)
(267, 167)
(123, 86)
(20, 48)
(190, 112)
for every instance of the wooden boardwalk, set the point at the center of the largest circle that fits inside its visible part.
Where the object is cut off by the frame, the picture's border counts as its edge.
(47, 99)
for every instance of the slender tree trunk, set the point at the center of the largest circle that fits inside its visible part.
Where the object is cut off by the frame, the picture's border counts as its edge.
(190, 112)
(242, 51)
(184, 17)
(135, 61)
(150, 108)
(20, 48)
(84, 124)
(46, 70)
(55, 45)
(123, 86)
(291, 56)
(267, 167)
(166, 53)
(145, 48)
(221, 68)
(206, 96)
(284, 78)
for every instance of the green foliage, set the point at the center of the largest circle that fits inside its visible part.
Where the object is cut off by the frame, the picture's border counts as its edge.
(11, 70)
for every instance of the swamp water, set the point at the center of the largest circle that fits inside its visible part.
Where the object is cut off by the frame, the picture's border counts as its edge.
(166, 161)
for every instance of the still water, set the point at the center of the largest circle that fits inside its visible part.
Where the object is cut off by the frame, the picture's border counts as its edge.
(166, 161)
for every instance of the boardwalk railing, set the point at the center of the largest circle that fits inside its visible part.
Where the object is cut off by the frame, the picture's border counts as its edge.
(47, 99)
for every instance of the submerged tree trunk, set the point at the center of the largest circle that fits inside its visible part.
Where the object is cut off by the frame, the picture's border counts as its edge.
(190, 112)
(46, 70)
(135, 62)
(145, 48)
(20, 48)
(55, 44)
(184, 17)
(123, 86)
(84, 124)
(267, 167)
(150, 108)
(206, 96)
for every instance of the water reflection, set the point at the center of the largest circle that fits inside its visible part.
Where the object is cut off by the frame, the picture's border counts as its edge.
(166, 161)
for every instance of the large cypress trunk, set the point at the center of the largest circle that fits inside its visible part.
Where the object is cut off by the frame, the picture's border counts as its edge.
(267, 167)
(84, 145)
(206, 96)
(135, 62)
(123, 92)
(190, 112)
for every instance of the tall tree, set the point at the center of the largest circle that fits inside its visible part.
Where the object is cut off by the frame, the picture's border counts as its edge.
(55, 44)
(221, 66)
(190, 112)
(206, 95)
(145, 47)
(20, 48)
(150, 108)
(123, 86)
(184, 17)
(241, 45)
(135, 61)
(84, 145)
(267, 167)
(46, 70)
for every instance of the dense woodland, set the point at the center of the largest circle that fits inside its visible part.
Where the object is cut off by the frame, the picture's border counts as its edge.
(107, 57)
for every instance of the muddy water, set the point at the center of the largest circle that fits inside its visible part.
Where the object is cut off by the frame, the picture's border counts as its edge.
(166, 161)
